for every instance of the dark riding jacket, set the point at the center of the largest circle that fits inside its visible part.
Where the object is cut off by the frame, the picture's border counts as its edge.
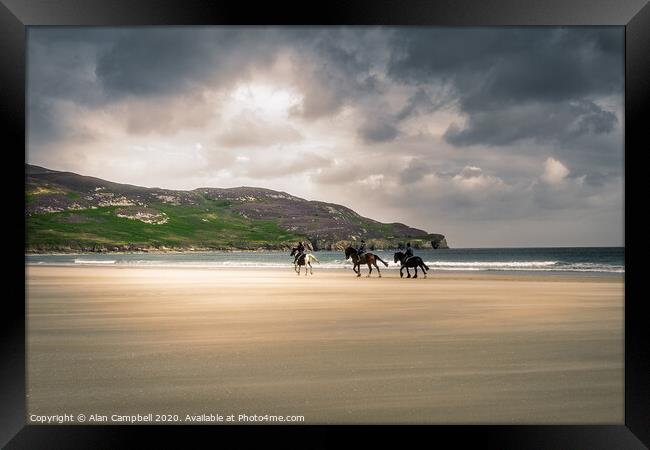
(299, 253)
(361, 249)
(409, 252)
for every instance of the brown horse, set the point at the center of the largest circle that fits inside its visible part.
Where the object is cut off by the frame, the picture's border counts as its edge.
(366, 258)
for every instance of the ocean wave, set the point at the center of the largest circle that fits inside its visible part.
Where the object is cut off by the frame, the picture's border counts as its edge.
(534, 266)
(488, 264)
(94, 261)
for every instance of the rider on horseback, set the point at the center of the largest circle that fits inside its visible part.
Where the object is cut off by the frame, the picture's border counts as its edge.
(409, 252)
(362, 248)
(301, 252)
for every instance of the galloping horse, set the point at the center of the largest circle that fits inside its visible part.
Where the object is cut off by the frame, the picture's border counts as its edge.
(413, 262)
(366, 258)
(304, 260)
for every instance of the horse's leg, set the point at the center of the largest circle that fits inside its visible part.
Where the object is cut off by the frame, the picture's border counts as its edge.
(359, 270)
(423, 271)
(416, 272)
(308, 264)
(378, 271)
(311, 270)
(408, 274)
(401, 272)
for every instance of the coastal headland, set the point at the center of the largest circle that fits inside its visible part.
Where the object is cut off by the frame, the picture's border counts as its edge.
(66, 213)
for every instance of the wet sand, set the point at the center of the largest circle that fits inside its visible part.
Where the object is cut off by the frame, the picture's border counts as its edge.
(452, 348)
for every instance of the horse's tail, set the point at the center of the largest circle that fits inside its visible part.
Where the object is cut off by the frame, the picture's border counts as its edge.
(385, 263)
(314, 258)
(425, 266)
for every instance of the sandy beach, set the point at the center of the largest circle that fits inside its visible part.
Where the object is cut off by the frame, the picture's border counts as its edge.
(452, 348)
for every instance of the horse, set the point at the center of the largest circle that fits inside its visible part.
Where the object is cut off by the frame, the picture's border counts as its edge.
(366, 258)
(413, 262)
(304, 260)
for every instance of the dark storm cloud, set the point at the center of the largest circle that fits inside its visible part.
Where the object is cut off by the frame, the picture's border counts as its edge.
(139, 62)
(512, 65)
(495, 72)
(381, 125)
(160, 61)
(61, 68)
(336, 68)
(490, 73)
(544, 122)
(153, 61)
(420, 102)
(94, 68)
(332, 65)
(43, 123)
(164, 60)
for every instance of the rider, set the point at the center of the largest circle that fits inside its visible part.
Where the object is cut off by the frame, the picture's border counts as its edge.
(409, 252)
(301, 251)
(362, 248)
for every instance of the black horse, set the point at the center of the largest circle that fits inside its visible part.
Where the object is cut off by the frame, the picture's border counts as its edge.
(413, 262)
(367, 258)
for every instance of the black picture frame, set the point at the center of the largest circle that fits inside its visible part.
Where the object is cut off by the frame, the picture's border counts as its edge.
(16, 15)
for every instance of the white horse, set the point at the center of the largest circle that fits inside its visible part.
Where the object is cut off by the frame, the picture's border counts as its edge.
(306, 261)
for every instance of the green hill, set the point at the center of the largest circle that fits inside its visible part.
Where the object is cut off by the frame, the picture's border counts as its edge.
(67, 212)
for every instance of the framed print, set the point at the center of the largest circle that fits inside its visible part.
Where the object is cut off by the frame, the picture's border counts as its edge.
(413, 216)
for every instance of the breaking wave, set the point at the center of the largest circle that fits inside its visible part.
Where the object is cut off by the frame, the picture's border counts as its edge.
(94, 261)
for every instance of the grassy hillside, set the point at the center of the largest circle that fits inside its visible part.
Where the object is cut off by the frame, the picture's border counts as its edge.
(69, 212)
(187, 227)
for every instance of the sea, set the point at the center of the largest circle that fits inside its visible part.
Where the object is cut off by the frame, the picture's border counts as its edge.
(566, 260)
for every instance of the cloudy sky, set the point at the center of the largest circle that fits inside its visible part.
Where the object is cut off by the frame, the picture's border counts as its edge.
(491, 136)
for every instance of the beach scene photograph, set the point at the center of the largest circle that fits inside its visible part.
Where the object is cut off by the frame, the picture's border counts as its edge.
(260, 225)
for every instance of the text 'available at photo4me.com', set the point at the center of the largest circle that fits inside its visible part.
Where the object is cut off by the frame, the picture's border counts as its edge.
(152, 418)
